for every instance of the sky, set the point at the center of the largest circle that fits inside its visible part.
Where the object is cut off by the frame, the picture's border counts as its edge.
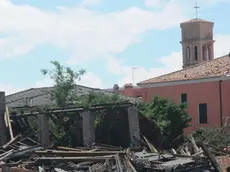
(116, 42)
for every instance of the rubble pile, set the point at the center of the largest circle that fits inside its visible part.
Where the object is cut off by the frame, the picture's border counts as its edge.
(28, 155)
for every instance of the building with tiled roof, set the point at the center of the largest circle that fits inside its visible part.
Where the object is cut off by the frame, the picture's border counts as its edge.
(216, 68)
(203, 83)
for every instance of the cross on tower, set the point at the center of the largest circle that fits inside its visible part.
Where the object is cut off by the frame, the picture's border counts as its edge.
(196, 7)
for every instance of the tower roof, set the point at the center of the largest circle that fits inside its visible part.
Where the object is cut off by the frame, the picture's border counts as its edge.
(196, 20)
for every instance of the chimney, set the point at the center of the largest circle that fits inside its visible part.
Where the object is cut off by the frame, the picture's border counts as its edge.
(128, 85)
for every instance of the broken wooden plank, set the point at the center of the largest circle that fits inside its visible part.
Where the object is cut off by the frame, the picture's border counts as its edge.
(209, 155)
(92, 158)
(75, 153)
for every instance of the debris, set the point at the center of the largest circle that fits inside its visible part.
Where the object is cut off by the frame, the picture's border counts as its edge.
(26, 155)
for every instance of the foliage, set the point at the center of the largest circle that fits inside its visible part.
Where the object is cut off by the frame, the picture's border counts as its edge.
(64, 81)
(95, 98)
(216, 136)
(172, 118)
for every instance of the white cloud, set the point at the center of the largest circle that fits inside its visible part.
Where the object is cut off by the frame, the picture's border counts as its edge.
(12, 46)
(87, 34)
(90, 2)
(153, 3)
(170, 63)
(91, 35)
(222, 45)
(91, 80)
(9, 89)
(46, 82)
(205, 3)
(88, 79)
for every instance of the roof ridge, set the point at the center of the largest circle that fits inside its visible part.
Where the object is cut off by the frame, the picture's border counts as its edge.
(84, 87)
(29, 89)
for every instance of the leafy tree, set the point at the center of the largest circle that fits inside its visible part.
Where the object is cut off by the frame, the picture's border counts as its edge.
(64, 82)
(172, 118)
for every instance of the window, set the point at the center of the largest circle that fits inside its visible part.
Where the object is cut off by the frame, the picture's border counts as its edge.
(183, 98)
(203, 117)
(196, 52)
(188, 53)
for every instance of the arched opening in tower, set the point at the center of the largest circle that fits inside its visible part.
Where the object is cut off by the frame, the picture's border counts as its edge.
(204, 52)
(208, 52)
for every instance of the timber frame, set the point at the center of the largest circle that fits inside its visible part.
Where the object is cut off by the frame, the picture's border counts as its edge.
(87, 115)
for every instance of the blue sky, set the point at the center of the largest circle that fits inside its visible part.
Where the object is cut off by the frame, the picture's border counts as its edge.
(107, 38)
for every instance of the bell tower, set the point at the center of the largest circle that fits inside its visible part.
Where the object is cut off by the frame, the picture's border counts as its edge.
(197, 41)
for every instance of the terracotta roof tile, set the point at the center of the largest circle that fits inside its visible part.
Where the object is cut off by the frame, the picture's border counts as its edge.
(215, 68)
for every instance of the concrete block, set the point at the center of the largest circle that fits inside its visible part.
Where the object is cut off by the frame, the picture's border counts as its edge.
(88, 128)
(134, 127)
(3, 138)
(43, 129)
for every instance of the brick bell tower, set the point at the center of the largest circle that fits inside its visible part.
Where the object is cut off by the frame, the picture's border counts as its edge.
(197, 41)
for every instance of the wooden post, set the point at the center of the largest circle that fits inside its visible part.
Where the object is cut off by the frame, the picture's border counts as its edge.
(134, 128)
(88, 128)
(3, 138)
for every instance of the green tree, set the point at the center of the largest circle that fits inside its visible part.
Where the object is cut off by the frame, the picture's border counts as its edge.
(172, 118)
(64, 82)
(65, 91)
